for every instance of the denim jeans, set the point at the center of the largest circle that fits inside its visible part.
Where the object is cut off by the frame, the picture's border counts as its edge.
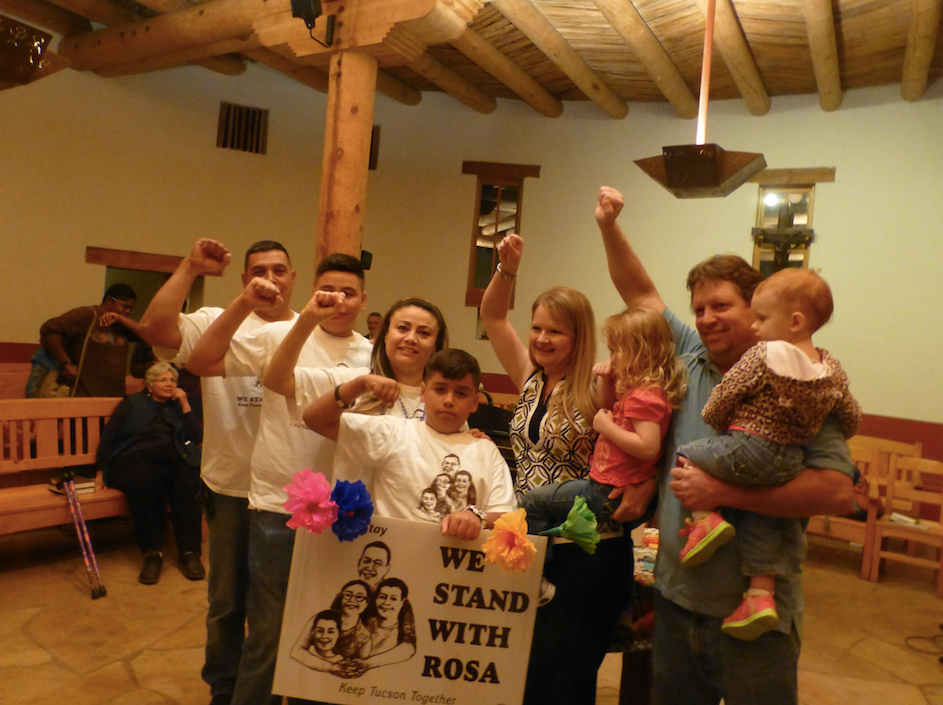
(548, 505)
(768, 545)
(695, 663)
(573, 631)
(271, 544)
(228, 579)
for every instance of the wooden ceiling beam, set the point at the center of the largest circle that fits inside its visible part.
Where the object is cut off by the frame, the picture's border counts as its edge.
(454, 84)
(733, 47)
(111, 15)
(627, 21)
(184, 29)
(397, 90)
(101, 11)
(510, 74)
(921, 45)
(308, 75)
(417, 58)
(820, 26)
(48, 16)
(216, 59)
(202, 55)
(545, 37)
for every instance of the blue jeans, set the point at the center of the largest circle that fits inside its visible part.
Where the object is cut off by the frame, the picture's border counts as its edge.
(768, 545)
(695, 663)
(573, 631)
(271, 544)
(548, 505)
(228, 521)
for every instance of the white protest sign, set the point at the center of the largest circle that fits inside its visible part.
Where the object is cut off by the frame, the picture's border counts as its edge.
(405, 614)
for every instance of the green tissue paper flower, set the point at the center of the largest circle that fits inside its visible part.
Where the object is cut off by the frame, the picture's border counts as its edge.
(579, 527)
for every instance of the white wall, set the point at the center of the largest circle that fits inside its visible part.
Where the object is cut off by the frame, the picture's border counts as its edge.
(131, 163)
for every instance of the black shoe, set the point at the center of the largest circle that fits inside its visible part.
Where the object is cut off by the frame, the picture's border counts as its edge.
(191, 567)
(150, 574)
(221, 699)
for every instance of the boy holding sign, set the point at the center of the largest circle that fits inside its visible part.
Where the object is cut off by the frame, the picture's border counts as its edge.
(398, 459)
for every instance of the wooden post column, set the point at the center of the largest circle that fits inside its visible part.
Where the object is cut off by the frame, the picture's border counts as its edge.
(350, 96)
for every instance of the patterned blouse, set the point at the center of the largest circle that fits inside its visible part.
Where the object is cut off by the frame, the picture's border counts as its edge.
(562, 450)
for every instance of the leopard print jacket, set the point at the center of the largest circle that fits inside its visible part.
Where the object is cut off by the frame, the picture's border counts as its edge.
(781, 409)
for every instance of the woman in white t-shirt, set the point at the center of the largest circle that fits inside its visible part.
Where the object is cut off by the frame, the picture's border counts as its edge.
(411, 331)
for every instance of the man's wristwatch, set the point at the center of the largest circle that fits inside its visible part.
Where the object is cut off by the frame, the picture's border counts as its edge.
(478, 513)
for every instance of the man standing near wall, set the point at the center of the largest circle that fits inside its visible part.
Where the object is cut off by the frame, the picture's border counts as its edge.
(694, 662)
(232, 406)
(91, 343)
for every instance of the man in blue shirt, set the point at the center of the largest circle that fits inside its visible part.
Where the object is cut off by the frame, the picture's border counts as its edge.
(694, 662)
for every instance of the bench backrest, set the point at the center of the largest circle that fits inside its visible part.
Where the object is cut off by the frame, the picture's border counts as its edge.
(52, 433)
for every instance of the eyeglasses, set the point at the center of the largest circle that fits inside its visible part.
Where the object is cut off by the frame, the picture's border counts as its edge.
(355, 596)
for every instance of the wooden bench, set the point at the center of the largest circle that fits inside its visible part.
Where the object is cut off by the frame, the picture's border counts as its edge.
(40, 434)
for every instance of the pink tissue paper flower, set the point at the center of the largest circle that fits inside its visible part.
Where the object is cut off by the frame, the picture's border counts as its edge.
(309, 502)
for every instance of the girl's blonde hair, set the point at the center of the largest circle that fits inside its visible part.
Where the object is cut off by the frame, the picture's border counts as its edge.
(643, 354)
(572, 309)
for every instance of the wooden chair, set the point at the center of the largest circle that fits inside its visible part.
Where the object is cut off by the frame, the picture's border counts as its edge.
(853, 530)
(887, 448)
(874, 468)
(918, 482)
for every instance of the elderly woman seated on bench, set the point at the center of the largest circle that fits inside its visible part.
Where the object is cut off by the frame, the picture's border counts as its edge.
(150, 451)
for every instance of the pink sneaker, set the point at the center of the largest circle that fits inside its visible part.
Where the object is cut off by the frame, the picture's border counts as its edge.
(755, 616)
(704, 537)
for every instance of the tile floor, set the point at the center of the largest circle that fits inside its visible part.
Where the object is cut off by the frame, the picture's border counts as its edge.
(143, 645)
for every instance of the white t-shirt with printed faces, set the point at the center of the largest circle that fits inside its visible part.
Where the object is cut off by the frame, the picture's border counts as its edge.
(284, 447)
(231, 407)
(401, 463)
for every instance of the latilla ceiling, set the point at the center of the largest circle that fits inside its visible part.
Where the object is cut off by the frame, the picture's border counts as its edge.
(545, 52)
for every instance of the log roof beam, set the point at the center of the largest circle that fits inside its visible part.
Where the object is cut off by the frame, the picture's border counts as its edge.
(921, 45)
(112, 15)
(47, 15)
(545, 37)
(729, 39)
(627, 21)
(510, 74)
(820, 27)
(164, 34)
(415, 56)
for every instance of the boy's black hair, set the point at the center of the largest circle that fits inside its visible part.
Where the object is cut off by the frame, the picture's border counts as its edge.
(453, 364)
(265, 246)
(120, 292)
(339, 262)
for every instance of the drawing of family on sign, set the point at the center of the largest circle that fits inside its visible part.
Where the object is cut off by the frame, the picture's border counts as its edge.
(369, 624)
(452, 490)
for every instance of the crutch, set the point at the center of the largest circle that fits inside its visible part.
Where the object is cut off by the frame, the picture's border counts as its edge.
(81, 530)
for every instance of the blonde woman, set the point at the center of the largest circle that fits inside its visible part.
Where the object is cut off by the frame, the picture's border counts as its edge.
(552, 437)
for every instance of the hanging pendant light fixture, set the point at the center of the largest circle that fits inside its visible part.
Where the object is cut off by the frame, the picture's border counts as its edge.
(702, 170)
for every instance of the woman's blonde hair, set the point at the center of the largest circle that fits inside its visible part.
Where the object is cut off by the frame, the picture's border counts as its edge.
(571, 308)
(643, 354)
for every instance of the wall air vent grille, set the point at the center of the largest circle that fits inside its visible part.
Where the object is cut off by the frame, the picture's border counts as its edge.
(242, 128)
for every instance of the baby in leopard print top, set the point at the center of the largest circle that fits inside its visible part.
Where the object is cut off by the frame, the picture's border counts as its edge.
(770, 403)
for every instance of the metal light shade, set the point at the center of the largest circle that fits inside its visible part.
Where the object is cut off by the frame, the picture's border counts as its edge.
(701, 170)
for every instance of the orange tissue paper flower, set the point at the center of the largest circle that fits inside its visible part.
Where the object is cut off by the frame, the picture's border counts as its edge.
(309, 502)
(508, 546)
